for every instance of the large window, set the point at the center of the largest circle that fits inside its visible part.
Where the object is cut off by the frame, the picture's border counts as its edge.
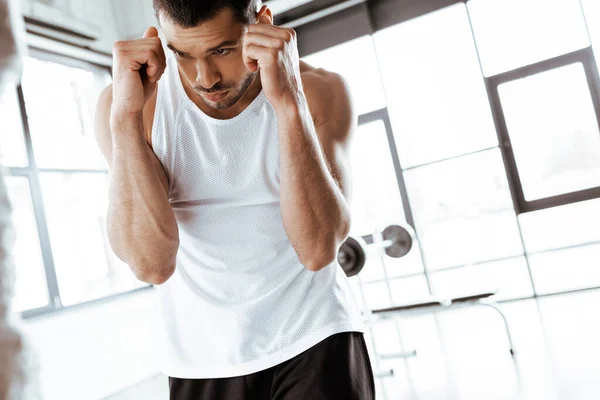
(58, 186)
(491, 150)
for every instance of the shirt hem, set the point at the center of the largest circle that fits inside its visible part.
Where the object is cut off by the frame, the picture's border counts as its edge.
(211, 372)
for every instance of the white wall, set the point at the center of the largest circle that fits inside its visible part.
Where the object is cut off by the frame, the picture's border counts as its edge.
(95, 351)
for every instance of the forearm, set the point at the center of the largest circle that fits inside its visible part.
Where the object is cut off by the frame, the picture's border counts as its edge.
(314, 211)
(141, 223)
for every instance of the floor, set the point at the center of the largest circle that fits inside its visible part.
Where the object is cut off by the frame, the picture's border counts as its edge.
(463, 354)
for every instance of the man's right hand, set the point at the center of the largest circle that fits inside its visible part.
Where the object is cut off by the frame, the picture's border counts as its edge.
(137, 67)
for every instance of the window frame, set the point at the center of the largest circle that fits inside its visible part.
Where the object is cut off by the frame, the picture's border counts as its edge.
(32, 173)
(586, 58)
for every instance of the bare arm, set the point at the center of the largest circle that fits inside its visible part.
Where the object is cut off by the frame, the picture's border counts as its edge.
(141, 225)
(315, 170)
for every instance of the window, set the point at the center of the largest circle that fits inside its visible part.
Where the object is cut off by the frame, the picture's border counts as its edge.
(60, 111)
(554, 131)
(568, 269)
(31, 290)
(463, 211)
(539, 30)
(563, 244)
(356, 62)
(376, 200)
(509, 277)
(86, 267)
(560, 227)
(60, 197)
(436, 94)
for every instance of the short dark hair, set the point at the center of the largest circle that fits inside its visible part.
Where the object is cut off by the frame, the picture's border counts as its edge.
(190, 13)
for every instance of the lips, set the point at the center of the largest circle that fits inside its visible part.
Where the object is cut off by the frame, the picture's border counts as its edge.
(215, 96)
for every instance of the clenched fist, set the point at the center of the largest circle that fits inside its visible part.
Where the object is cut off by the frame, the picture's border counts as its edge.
(273, 50)
(137, 66)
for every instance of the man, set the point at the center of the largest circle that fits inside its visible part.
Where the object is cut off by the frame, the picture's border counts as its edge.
(230, 191)
(18, 363)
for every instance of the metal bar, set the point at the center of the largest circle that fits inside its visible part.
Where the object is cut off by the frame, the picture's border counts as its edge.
(55, 28)
(38, 208)
(540, 296)
(18, 171)
(281, 6)
(372, 116)
(495, 306)
(399, 173)
(383, 374)
(384, 244)
(561, 200)
(102, 300)
(39, 42)
(322, 13)
(398, 354)
(69, 60)
(449, 158)
(541, 66)
(73, 171)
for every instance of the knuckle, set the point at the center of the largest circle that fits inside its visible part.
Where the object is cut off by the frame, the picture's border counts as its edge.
(118, 46)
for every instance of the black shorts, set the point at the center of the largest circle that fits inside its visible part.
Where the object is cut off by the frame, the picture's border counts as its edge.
(338, 367)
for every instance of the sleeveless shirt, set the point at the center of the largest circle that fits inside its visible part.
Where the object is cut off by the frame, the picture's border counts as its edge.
(239, 300)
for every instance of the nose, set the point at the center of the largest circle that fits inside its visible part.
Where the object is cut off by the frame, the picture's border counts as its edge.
(206, 74)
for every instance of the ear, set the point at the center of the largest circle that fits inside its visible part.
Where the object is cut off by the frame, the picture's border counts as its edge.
(264, 15)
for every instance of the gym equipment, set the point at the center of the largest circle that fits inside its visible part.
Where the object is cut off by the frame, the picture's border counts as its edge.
(397, 242)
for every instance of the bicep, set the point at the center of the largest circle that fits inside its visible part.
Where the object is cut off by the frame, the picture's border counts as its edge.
(104, 136)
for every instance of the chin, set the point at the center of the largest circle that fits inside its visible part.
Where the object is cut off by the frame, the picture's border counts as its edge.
(221, 104)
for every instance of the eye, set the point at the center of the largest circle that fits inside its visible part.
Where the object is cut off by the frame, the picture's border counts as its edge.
(179, 54)
(221, 52)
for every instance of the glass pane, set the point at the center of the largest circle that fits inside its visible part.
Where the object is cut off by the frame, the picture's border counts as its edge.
(60, 112)
(408, 290)
(570, 269)
(376, 295)
(376, 201)
(510, 277)
(436, 95)
(357, 63)
(463, 210)
(539, 29)
(385, 334)
(553, 131)
(86, 266)
(562, 226)
(31, 290)
(12, 144)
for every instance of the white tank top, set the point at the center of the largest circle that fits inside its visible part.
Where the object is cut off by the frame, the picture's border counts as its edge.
(239, 301)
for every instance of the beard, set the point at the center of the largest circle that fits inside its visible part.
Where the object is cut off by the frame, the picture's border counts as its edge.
(238, 91)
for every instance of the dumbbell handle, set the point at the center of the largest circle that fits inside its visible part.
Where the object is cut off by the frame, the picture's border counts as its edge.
(384, 244)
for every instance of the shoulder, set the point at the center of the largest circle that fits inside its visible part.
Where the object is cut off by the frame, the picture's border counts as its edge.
(328, 95)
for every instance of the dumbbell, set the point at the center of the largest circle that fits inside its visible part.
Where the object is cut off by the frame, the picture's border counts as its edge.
(397, 242)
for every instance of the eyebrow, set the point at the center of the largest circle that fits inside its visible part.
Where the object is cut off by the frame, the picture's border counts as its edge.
(222, 44)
